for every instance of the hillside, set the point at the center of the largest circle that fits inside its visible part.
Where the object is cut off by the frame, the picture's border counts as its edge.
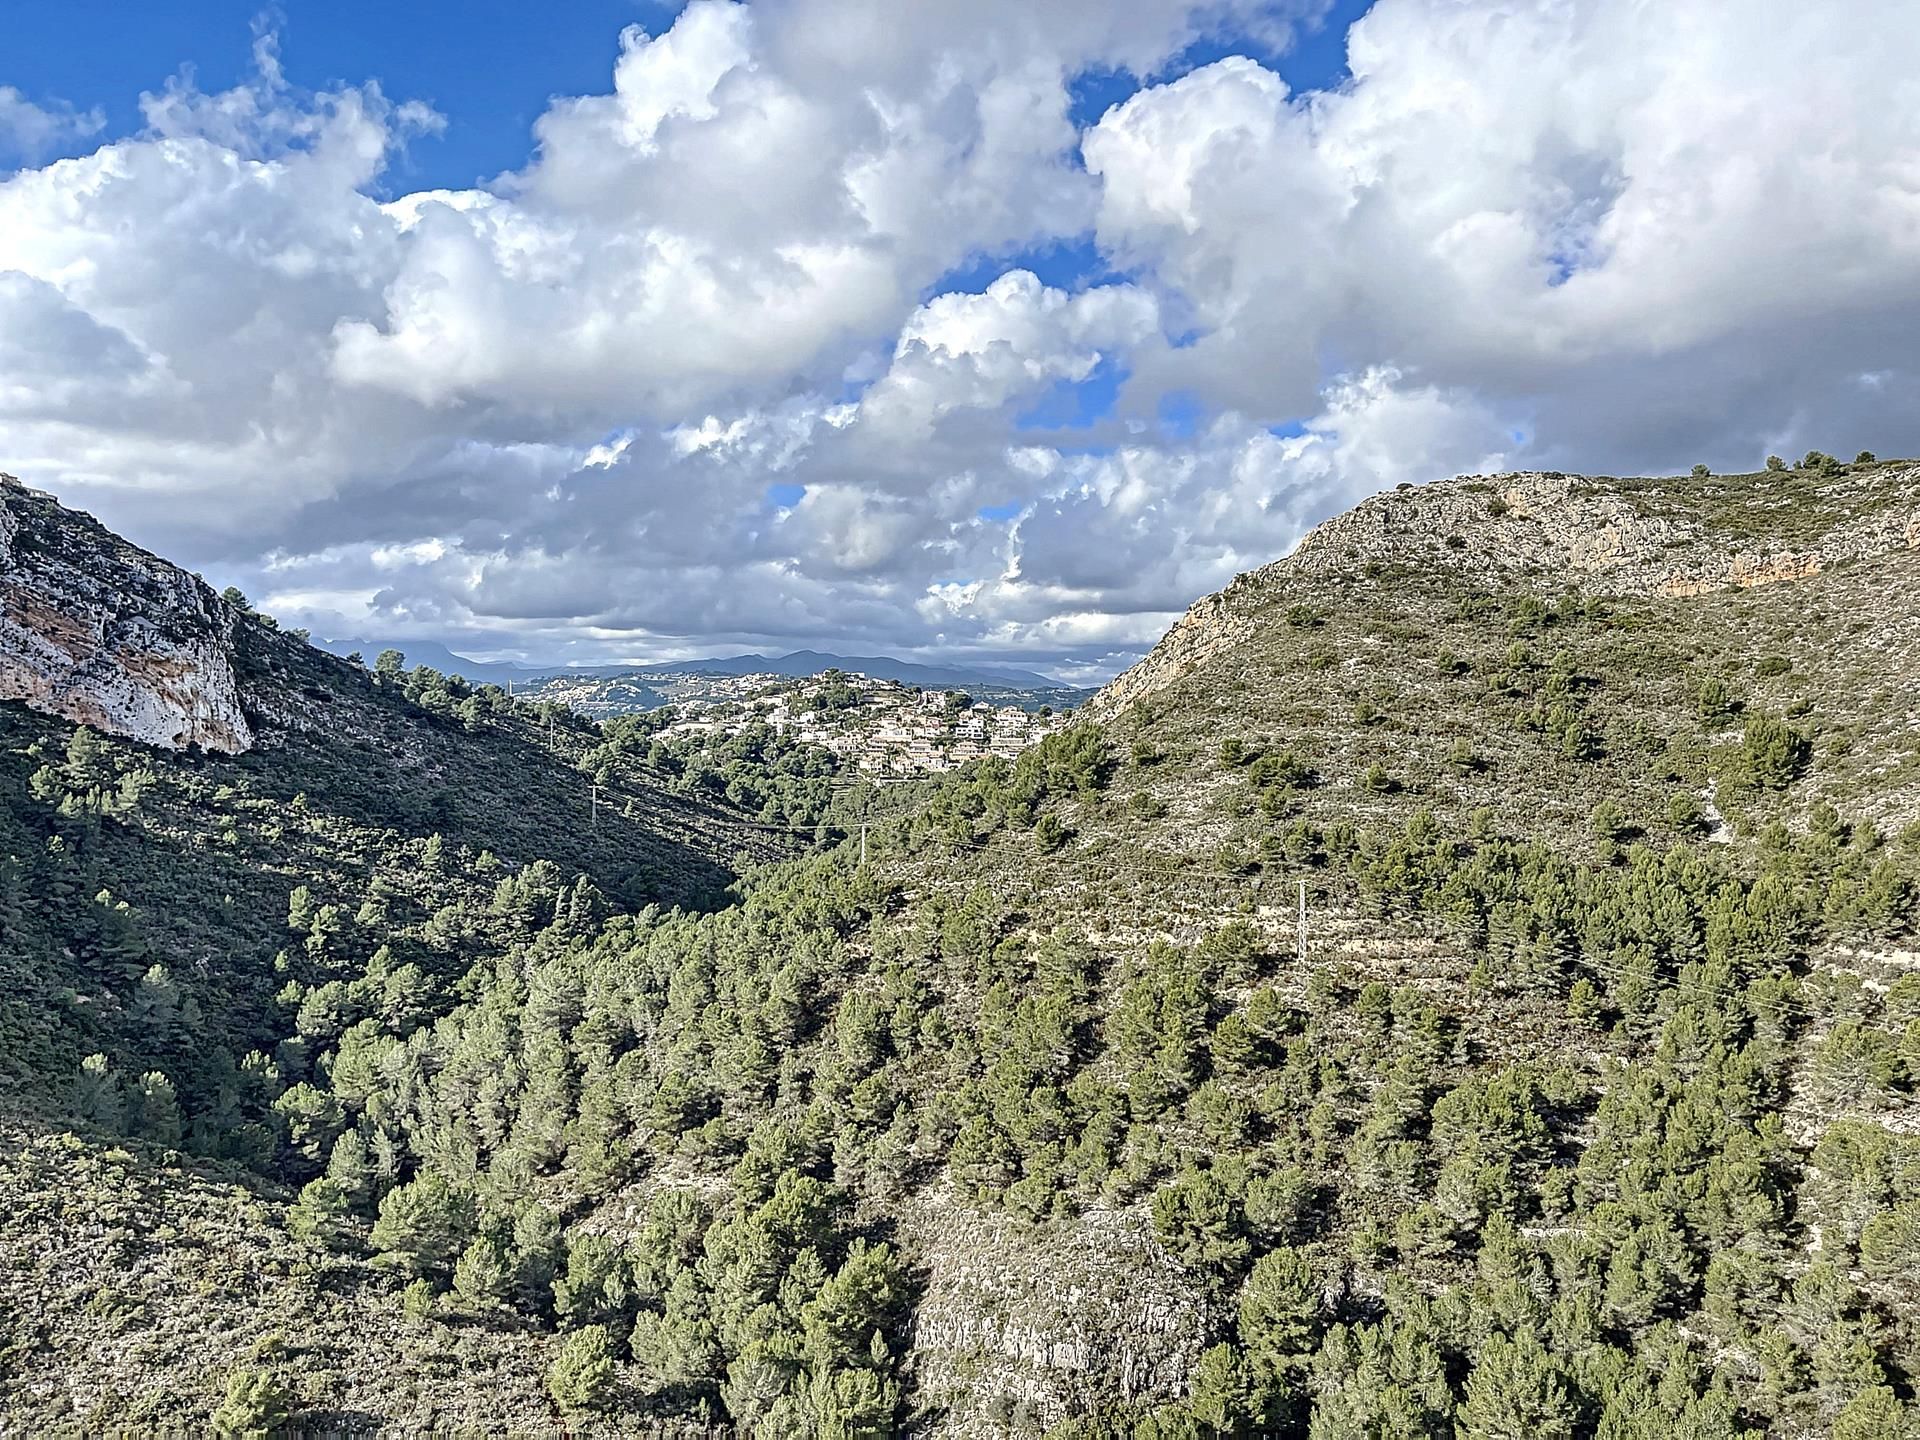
(379, 797)
(605, 697)
(1531, 646)
(1590, 1109)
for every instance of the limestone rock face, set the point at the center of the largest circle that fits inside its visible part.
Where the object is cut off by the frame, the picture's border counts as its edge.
(102, 633)
(1021, 1327)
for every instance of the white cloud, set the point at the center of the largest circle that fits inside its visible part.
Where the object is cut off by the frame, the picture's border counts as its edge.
(1532, 198)
(550, 411)
(29, 132)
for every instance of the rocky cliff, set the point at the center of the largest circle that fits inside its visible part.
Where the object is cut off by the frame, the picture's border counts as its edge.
(100, 632)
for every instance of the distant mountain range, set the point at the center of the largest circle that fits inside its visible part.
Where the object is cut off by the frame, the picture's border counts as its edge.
(797, 664)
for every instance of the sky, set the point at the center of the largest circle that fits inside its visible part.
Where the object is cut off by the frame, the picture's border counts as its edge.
(986, 331)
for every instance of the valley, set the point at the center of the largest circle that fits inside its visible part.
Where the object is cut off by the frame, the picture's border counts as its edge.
(440, 1058)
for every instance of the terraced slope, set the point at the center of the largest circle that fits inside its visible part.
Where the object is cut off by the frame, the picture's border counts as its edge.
(1591, 1109)
(1619, 672)
(1527, 645)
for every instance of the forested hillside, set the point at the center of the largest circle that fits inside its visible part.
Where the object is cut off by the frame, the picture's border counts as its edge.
(359, 1080)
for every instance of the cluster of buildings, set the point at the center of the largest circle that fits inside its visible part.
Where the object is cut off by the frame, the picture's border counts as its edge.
(883, 729)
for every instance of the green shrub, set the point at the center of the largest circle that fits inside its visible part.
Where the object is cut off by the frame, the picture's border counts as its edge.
(1608, 820)
(1772, 753)
(1685, 814)
(1713, 702)
(1143, 805)
(582, 1373)
(1890, 1243)
(418, 1300)
(256, 1407)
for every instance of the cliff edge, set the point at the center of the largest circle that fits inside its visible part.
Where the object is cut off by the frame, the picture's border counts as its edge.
(102, 633)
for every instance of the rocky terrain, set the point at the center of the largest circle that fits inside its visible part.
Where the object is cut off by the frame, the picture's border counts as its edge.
(98, 632)
(1586, 1101)
(137, 1286)
(1684, 536)
(1021, 1328)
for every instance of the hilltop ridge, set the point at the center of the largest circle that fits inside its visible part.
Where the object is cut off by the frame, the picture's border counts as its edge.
(795, 664)
(1674, 536)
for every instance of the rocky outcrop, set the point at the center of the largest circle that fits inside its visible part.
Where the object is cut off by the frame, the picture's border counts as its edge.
(101, 633)
(1623, 537)
(1213, 626)
(1021, 1327)
(1550, 530)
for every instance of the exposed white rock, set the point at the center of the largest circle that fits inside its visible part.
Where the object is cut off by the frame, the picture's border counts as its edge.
(1021, 1327)
(106, 635)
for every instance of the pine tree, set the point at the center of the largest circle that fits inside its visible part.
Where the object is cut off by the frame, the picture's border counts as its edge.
(582, 1374)
(95, 1095)
(1279, 1325)
(300, 910)
(153, 1110)
(321, 1216)
(313, 1120)
(482, 1279)
(255, 1407)
(1517, 1391)
(1220, 1394)
(422, 1225)
(1876, 1414)
(156, 1001)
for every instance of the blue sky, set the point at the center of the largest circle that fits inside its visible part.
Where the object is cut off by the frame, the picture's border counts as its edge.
(747, 357)
(488, 66)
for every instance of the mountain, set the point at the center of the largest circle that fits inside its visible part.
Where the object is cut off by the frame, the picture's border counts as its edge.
(1462, 982)
(798, 664)
(174, 767)
(439, 657)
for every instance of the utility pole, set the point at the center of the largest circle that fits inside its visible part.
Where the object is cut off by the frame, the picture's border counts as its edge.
(1303, 922)
(596, 807)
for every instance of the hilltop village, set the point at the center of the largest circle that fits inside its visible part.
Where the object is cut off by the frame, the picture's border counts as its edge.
(880, 727)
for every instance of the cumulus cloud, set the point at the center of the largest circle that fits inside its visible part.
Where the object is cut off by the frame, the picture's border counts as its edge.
(1580, 208)
(30, 132)
(690, 377)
